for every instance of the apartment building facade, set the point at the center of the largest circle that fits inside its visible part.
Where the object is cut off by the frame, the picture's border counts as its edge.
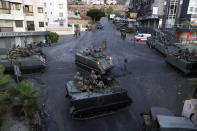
(22, 15)
(149, 12)
(21, 21)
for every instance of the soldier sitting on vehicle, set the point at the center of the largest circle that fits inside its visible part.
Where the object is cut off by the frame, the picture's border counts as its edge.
(100, 50)
(80, 83)
(87, 52)
(93, 50)
(93, 75)
(76, 77)
(100, 85)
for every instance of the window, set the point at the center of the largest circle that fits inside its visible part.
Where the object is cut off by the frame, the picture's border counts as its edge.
(60, 6)
(61, 23)
(46, 23)
(41, 24)
(28, 8)
(6, 29)
(40, 10)
(196, 10)
(16, 6)
(61, 14)
(191, 9)
(4, 5)
(30, 25)
(19, 23)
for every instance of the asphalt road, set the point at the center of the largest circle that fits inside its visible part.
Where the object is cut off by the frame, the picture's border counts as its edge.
(149, 81)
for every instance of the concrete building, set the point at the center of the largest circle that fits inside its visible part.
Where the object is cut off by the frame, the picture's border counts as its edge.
(56, 13)
(57, 16)
(149, 12)
(22, 15)
(21, 20)
(97, 2)
(187, 14)
(171, 10)
(111, 2)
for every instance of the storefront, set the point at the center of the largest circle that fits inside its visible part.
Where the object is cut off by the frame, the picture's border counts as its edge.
(186, 36)
(8, 39)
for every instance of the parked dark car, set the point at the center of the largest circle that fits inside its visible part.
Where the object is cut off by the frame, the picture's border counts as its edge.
(100, 26)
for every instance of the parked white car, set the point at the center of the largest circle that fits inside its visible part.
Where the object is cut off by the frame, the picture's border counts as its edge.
(142, 37)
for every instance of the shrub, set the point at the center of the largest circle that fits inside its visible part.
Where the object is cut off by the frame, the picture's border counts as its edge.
(53, 36)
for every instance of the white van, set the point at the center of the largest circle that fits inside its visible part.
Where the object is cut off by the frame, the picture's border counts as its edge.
(142, 37)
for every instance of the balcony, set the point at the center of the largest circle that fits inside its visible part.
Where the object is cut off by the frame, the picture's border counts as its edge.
(30, 14)
(16, 1)
(4, 11)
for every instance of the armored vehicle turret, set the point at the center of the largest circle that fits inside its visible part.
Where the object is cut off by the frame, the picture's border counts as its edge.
(26, 59)
(93, 97)
(94, 60)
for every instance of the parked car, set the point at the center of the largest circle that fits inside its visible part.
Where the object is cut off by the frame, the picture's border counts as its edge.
(142, 37)
(100, 26)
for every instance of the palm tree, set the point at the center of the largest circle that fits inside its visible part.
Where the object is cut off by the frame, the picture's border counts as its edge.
(4, 79)
(24, 99)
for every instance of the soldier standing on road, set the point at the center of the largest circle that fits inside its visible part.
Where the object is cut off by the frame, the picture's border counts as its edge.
(121, 34)
(104, 44)
(125, 63)
(49, 42)
(125, 35)
(134, 41)
(79, 32)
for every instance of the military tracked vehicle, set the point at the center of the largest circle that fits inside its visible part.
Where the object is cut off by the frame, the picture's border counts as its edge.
(162, 119)
(95, 97)
(94, 60)
(183, 59)
(26, 59)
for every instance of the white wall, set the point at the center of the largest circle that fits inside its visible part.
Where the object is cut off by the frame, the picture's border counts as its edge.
(37, 17)
(192, 3)
(53, 10)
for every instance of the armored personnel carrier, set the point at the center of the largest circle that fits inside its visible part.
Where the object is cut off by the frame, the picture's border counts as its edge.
(183, 59)
(165, 43)
(94, 97)
(26, 59)
(94, 60)
(162, 119)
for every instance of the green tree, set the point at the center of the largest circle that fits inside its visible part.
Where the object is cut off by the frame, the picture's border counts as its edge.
(103, 9)
(95, 14)
(109, 10)
(53, 36)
